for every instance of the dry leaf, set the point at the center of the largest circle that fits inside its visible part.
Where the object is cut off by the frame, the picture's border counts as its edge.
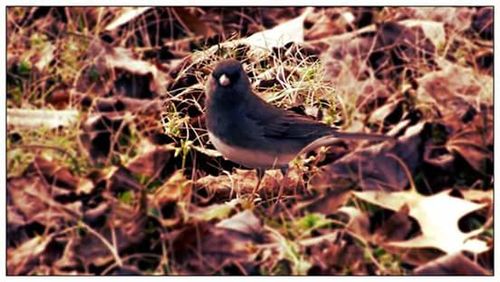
(290, 31)
(244, 222)
(24, 118)
(192, 24)
(167, 197)
(127, 14)
(152, 161)
(337, 256)
(244, 181)
(265, 41)
(456, 264)
(23, 258)
(328, 202)
(478, 195)
(434, 31)
(46, 56)
(98, 133)
(33, 197)
(202, 248)
(456, 18)
(172, 190)
(358, 222)
(438, 216)
(473, 148)
(209, 152)
(375, 167)
(215, 211)
(124, 59)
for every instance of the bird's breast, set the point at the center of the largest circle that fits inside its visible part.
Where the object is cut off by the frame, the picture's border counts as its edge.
(248, 157)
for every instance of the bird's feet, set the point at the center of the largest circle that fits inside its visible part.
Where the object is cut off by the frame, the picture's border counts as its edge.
(260, 175)
(284, 172)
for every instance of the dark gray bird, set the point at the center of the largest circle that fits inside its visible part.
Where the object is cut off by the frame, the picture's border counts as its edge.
(247, 130)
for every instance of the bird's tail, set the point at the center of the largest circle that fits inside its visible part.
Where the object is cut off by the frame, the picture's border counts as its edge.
(362, 136)
(336, 136)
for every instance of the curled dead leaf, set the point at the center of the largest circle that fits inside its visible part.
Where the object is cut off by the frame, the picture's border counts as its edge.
(453, 264)
(377, 167)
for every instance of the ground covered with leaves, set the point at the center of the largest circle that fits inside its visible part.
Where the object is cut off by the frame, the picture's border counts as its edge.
(110, 170)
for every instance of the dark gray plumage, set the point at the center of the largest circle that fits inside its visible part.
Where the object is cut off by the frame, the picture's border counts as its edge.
(251, 132)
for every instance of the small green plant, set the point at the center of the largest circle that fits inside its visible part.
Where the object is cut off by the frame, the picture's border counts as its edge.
(60, 145)
(126, 197)
(305, 225)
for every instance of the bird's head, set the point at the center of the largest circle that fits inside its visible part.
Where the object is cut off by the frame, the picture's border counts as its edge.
(228, 81)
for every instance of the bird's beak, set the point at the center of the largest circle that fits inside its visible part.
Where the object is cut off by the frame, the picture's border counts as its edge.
(224, 80)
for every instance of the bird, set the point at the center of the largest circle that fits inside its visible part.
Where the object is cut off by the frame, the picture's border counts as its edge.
(247, 130)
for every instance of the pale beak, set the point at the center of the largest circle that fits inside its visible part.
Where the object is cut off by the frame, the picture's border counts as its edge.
(224, 80)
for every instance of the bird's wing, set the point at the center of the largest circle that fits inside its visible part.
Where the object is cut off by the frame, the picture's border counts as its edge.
(274, 122)
(282, 124)
(292, 125)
